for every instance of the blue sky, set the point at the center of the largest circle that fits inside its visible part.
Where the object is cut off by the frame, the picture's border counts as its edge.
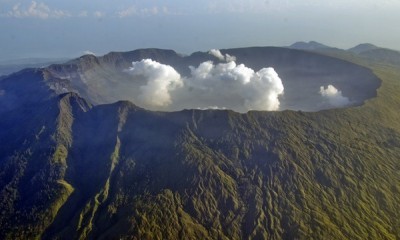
(61, 28)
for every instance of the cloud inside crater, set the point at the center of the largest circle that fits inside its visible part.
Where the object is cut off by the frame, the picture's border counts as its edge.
(224, 86)
(333, 96)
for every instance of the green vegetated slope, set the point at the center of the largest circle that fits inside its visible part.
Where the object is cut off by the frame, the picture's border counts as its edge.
(73, 171)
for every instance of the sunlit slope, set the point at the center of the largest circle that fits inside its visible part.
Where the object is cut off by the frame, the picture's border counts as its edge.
(119, 171)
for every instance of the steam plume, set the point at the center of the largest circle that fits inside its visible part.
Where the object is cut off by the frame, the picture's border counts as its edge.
(217, 53)
(160, 81)
(225, 85)
(334, 96)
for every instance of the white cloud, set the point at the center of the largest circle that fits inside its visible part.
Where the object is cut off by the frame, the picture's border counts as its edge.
(149, 11)
(217, 53)
(165, 10)
(232, 86)
(130, 11)
(83, 14)
(239, 6)
(136, 11)
(212, 108)
(160, 81)
(225, 85)
(96, 14)
(270, 6)
(87, 52)
(334, 96)
(36, 10)
(229, 58)
(127, 12)
(99, 14)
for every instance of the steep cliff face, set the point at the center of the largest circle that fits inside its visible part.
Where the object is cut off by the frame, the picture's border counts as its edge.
(70, 170)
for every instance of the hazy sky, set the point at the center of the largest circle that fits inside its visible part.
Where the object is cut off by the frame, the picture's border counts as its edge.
(68, 28)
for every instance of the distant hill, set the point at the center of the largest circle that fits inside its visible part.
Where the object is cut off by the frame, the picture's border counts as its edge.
(383, 55)
(365, 50)
(15, 65)
(378, 54)
(362, 48)
(312, 45)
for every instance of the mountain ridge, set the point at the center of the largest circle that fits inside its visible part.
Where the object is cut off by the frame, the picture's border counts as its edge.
(311, 45)
(363, 47)
(106, 79)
